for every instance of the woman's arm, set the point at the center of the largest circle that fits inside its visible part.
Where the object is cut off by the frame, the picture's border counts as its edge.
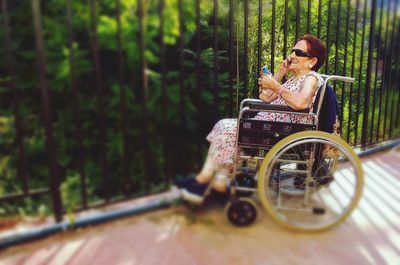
(298, 101)
(268, 97)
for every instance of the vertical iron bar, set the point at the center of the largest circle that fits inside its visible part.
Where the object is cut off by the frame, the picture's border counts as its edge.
(378, 55)
(216, 89)
(383, 83)
(371, 40)
(285, 30)
(391, 70)
(237, 67)
(360, 73)
(164, 90)
(297, 20)
(245, 48)
(46, 103)
(338, 22)
(198, 57)
(198, 77)
(328, 37)
(308, 16)
(230, 49)
(386, 68)
(353, 60)
(319, 18)
(398, 76)
(273, 28)
(100, 99)
(144, 87)
(22, 172)
(346, 43)
(122, 84)
(259, 50)
(181, 66)
(76, 108)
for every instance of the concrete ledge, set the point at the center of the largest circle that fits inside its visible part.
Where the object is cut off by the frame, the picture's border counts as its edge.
(138, 206)
(381, 147)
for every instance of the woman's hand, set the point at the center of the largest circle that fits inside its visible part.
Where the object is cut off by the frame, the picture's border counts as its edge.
(268, 85)
(267, 82)
(283, 69)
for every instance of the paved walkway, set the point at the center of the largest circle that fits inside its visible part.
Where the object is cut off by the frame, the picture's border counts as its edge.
(178, 236)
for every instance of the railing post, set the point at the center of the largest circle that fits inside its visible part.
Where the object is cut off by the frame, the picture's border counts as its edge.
(76, 108)
(273, 29)
(164, 88)
(353, 60)
(285, 30)
(230, 52)
(215, 81)
(19, 129)
(259, 50)
(378, 55)
(371, 39)
(245, 47)
(148, 158)
(182, 89)
(328, 37)
(100, 100)
(297, 32)
(50, 144)
(124, 124)
(360, 68)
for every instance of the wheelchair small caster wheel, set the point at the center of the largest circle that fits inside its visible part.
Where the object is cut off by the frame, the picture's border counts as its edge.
(241, 212)
(246, 181)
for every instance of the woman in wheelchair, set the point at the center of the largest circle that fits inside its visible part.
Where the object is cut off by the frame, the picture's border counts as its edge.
(298, 92)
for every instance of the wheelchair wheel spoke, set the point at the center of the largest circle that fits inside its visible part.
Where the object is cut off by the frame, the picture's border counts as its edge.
(311, 196)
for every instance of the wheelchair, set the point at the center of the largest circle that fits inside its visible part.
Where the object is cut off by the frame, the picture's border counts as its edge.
(306, 179)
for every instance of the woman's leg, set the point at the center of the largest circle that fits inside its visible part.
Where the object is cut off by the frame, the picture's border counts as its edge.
(207, 172)
(222, 140)
(222, 148)
(221, 180)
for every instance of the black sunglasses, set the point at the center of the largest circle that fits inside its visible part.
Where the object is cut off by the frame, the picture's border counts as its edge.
(301, 53)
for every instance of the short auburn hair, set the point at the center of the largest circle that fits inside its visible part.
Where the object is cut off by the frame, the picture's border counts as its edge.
(316, 48)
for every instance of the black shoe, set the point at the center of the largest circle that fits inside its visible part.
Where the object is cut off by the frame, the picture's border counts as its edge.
(193, 192)
(184, 182)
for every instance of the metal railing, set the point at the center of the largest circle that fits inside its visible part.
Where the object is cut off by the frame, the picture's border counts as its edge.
(362, 40)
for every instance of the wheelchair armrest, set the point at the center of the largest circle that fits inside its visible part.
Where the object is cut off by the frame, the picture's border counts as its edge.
(245, 102)
(266, 106)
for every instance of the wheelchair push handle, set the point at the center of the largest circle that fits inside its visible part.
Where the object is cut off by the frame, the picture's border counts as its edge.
(338, 78)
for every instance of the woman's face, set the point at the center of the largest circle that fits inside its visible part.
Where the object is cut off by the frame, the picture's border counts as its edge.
(298, 62)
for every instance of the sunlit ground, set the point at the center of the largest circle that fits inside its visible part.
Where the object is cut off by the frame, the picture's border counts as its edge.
(178, 236)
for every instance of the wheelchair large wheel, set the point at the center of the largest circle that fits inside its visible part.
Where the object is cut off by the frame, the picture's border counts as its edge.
(310, 181)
